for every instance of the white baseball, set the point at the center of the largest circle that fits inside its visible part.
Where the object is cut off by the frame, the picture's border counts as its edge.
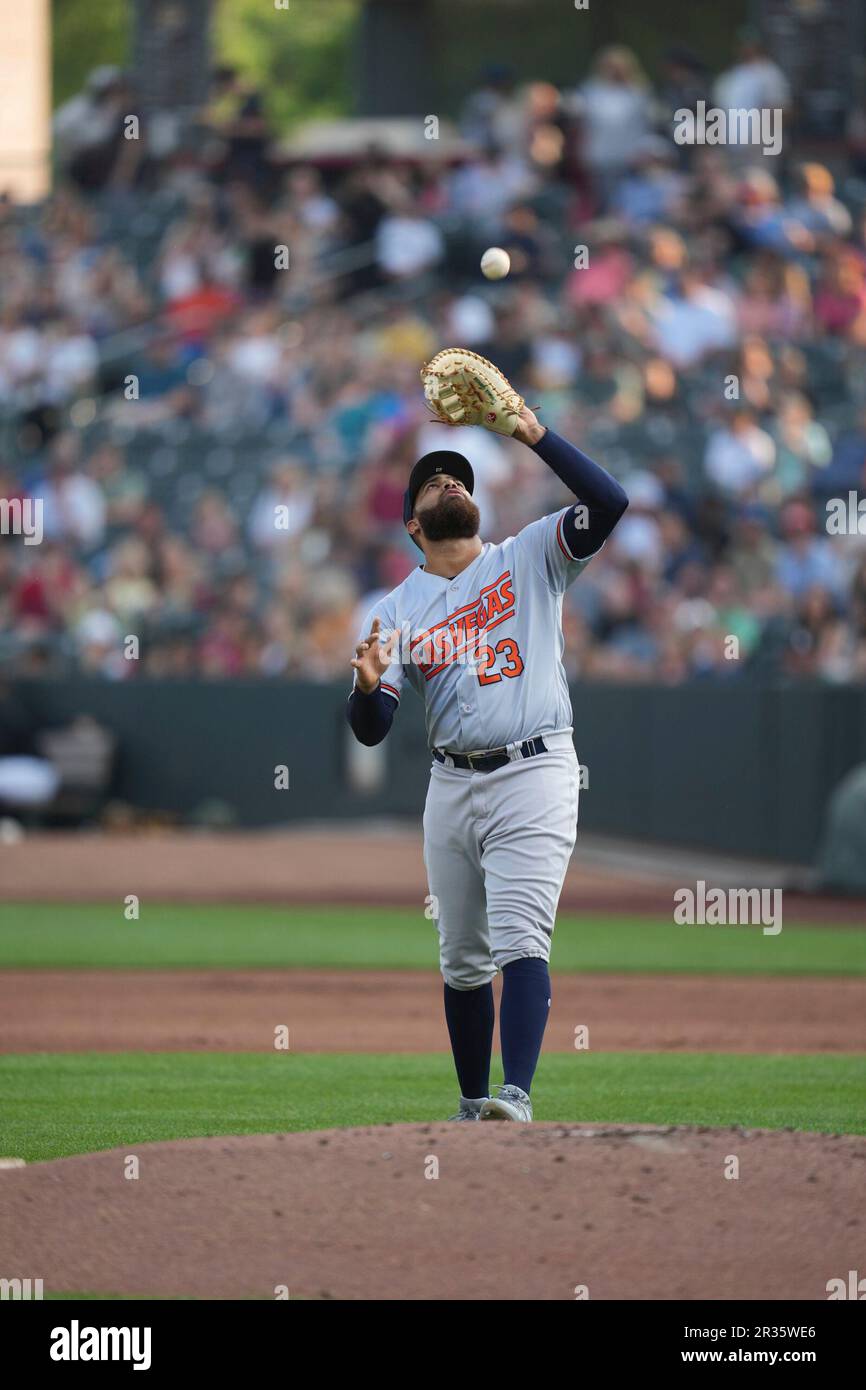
(495, 263)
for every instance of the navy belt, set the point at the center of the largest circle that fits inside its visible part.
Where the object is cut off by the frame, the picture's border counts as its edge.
(492, 761)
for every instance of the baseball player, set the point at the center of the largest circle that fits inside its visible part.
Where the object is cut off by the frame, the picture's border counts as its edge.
(476, 629)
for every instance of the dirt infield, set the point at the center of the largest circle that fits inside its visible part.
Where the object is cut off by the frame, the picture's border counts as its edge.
(349, 863)
(400, 1011)
(628, 1212)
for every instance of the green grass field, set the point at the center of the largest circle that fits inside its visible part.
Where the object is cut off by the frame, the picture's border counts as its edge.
(52, 1105)
(81, 936)
(57, 1104)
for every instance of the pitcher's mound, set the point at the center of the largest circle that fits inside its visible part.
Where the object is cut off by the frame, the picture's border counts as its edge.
(444, 1211)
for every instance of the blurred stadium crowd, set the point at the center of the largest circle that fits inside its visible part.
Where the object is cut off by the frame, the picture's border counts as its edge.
(168, 383)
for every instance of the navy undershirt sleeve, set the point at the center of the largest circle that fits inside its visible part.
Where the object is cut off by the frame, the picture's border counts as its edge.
(370, 716)
(601, 494)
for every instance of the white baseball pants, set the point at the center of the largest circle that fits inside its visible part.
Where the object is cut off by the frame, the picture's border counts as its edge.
(496, 847)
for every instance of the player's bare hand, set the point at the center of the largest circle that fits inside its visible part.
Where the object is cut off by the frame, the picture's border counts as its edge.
(372, 658)
(529, 429)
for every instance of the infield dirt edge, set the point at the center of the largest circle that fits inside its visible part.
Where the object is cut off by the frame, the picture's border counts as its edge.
(628, 1211)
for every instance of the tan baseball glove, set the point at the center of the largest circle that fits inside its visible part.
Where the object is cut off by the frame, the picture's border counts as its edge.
(462, 388)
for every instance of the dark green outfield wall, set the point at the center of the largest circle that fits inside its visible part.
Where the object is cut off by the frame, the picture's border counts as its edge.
(735, 768)
(729, 767)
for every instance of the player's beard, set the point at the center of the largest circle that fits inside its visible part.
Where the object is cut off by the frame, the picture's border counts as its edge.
(455, 517)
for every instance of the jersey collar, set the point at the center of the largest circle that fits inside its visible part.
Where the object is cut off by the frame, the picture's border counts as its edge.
(441, 578)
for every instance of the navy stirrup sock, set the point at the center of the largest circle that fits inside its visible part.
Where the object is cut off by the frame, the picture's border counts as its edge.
(469, 1014)
(523, 1014)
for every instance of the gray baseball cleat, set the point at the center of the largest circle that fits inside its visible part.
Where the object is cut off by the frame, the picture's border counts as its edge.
(509, 1103)
(469, 1109)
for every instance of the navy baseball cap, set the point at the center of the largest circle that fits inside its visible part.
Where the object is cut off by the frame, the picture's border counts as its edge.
(440, 461)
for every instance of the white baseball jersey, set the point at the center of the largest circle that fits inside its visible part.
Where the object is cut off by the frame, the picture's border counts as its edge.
(484, 649)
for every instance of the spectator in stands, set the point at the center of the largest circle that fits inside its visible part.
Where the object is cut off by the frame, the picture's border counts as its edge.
(221, 446)
(739, 455)
(651, 189)
(88, 129)
(614, 108)
(407, 243)
(754, 83)
(491, 118)
(237, 120)
(284, 509)
(806, 561)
